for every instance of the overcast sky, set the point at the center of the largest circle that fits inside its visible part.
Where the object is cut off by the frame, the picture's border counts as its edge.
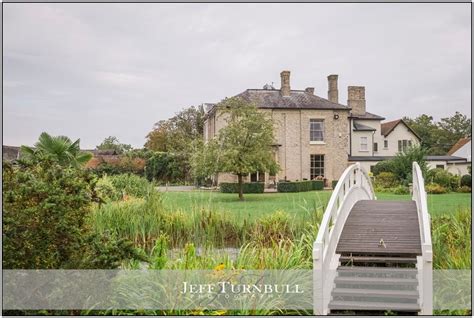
(93, 70)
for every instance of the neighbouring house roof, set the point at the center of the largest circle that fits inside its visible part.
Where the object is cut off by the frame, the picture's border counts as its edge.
(444, 158)
(360, 127)
(298, 99)
(367, 115)
(388, 127)
(458, 145)
(10, 152)
(427, 158)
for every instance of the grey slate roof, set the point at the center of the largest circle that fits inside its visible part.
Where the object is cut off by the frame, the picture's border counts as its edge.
(444, 158)
(368, 115)
(360, 127)
(428, 158)
(10, 152)
(297, 100)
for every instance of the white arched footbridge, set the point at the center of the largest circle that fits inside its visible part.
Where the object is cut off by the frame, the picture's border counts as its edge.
(372, 255)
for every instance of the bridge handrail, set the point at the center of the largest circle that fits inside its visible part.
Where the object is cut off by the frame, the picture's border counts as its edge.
(333, 206)
(419, 196)
(353, 185)
(425, 262)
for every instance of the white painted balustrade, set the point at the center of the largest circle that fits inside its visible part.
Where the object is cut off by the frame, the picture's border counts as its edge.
(354, 185)
(425, 261)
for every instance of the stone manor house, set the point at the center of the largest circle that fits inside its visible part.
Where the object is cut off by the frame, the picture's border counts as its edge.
(320, 137)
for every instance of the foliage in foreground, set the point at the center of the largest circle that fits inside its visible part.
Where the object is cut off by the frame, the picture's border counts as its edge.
(45, 206)
(451, 239)
(144, 220)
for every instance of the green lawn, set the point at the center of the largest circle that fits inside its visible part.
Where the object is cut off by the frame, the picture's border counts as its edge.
(297, 204)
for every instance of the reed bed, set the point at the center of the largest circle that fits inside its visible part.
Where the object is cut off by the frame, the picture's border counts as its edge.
(274, 241)
(143, 221)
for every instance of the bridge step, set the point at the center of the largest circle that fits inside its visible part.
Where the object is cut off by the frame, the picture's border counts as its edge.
(360, 292)
(375, 281)
(373, 288)
(344, 259)
(371, 269)
(355, 305)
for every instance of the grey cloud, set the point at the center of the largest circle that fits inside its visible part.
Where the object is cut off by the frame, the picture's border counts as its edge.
(94, 70)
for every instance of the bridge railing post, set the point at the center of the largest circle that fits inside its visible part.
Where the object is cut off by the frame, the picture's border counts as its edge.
(318, 280)
(425, 261)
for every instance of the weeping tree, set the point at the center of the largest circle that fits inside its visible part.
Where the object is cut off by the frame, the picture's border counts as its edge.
(243, 146)
(59, 148)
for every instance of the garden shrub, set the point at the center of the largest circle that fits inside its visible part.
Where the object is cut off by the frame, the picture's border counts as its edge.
(45, 209)
(386, 180)
(296, 186)
(443, 178)
(166, 167)
(123, 164)
(106, 190)
(435, 188)
(317, 185)
(130, 184)
(464, 189)
(401, 189)
(466, 180)
(248, 187)
(383, 166)
(334, 183)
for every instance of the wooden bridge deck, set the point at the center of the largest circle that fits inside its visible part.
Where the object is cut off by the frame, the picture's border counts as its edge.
(376, 227)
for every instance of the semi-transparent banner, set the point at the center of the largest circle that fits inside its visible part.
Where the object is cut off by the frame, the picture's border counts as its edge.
(193, 289)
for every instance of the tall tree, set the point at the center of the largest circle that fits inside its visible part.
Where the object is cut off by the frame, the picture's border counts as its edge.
(177, 133)
(439, 137)
(60, 148)
(175, 138)
(454, 128)
(244, 145)
(113, 143)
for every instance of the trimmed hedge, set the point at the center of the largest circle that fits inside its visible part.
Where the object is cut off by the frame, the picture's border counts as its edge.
(466, 180)
(248, 187)
(300, 186)
(318, 184)
(334, 183)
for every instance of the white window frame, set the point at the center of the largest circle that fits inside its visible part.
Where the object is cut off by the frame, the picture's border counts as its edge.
(361, 146)
(320, 159)
(311, 130)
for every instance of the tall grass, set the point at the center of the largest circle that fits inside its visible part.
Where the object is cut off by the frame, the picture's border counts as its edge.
(272, 241)
(451, 238)
(144, 220)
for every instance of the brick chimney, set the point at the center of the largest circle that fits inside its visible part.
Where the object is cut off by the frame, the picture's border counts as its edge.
(285, 83)
(333, 93)
(356, 99)
(309, 90)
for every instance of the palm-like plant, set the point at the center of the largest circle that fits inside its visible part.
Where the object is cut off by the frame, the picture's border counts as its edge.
(60, 148)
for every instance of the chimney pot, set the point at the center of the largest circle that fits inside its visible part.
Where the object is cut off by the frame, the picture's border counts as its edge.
(356, 99)
(309, 90)
(333, 93)
(285, 83)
